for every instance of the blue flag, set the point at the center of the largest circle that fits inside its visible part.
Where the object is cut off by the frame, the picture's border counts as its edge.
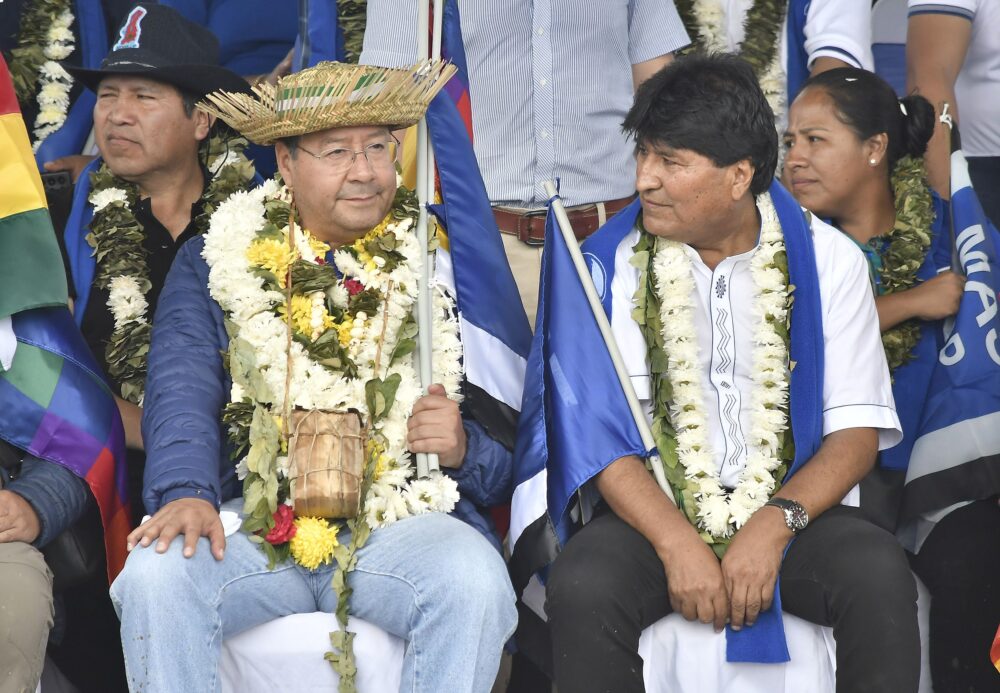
(956, 447)
(575, 418)
(472, 264)
(912, 379)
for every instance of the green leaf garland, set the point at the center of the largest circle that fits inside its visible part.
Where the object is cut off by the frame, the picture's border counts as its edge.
(118, 241)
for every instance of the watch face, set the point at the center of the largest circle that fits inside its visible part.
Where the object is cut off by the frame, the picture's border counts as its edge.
(797, 517)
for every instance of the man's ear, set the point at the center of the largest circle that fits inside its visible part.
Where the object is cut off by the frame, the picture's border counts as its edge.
(284, 157)
(202, 124)
(741, 176)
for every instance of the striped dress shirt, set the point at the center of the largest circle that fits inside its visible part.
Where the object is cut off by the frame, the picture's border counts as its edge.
(550, 83)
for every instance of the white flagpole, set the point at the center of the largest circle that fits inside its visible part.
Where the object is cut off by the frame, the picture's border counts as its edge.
(638, 415)
(432, 458)
(426, 462)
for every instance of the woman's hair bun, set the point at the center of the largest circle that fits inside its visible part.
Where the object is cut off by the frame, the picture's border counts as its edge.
(918, 124)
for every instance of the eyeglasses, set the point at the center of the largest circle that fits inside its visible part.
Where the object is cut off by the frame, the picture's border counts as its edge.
(378, 155)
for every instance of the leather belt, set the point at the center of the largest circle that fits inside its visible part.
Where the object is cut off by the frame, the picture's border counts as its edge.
(529, 225)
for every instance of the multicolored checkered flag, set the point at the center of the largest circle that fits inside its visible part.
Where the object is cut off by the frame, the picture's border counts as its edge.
(55, 404)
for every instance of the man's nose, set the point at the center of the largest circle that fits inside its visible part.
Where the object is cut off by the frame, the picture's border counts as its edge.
(122, 111)
(645, 179)
(361, 169)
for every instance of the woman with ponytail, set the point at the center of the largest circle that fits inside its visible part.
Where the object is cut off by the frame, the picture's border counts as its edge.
(854, 156)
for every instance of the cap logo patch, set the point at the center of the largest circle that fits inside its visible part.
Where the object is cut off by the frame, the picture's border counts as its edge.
(128, 36)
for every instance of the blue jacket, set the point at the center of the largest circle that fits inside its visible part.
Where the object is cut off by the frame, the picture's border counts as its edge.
(57, 495)
(187, 454)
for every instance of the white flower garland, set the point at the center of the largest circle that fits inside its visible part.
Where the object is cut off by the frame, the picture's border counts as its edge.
(126, 299)
(126, 295)
(54, 83)
(394, 493)
(711, 24)
(720, 512)
(102, 198)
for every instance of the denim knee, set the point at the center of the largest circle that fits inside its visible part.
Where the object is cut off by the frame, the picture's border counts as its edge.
(478, 578)
(149, 576)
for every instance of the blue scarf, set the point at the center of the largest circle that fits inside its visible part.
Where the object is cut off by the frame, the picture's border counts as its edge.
(764, 642)
(82, 264)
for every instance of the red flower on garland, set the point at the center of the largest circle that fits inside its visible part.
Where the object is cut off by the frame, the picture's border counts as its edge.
(353, 286)
(284, 526)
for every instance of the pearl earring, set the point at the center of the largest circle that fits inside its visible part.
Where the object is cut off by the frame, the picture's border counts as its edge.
(873, 162)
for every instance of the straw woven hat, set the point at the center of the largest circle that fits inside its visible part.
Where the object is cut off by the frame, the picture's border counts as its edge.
(331, 95)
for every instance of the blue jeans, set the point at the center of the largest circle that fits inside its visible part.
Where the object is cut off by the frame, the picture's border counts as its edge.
(431, 580)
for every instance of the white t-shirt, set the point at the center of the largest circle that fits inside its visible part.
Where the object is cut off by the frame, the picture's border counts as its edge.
(978, 86)
(857, 391)
(834, 28)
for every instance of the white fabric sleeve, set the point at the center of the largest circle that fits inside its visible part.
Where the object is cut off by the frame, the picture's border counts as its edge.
(390, 34)
(654, 29)
(840, 29)
(960, 8)
(857, 391)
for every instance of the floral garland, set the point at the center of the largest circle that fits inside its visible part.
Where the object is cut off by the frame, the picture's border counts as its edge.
(44, 38)
(665, 312)
(903, 251)
(354, 330)
(118, 242)
(704, 21)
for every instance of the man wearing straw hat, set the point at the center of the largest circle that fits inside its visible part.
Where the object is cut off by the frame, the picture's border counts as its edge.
(283, 358)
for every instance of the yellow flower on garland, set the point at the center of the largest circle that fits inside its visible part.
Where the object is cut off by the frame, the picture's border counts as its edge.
(382, 464)
(314, 542)
(329, 322)
(319, 248)
(272, 255)
(301, 314)
(344, 331)
(359, 245)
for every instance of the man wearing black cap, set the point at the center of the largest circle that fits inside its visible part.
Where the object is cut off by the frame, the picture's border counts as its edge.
(160, 174)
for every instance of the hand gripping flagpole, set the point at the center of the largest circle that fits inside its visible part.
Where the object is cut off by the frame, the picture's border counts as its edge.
(638, 415)
(426, 462)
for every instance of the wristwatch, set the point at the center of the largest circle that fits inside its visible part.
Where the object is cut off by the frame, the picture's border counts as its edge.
(796, 517)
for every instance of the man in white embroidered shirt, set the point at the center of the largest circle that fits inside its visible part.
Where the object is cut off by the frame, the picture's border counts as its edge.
(719, 250)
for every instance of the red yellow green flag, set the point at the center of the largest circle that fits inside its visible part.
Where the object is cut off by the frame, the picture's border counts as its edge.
(30, 262)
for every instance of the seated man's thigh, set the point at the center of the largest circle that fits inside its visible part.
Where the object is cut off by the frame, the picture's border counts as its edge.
(426, 564)
(25, 614)
(844, 561)
(608, 568)
(240, 587)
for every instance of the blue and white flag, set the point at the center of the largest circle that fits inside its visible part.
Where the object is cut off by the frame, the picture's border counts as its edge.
(575, 420)
(956, 448)
(472, 265)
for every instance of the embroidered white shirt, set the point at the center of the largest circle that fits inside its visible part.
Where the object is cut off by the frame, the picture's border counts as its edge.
(857, 391)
